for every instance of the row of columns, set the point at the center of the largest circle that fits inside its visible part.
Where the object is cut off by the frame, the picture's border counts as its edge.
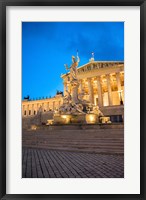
(99, 89)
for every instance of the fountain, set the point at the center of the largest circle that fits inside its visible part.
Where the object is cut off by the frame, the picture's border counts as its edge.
(74, 109)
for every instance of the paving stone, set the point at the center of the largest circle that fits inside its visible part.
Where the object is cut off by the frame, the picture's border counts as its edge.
(42, 163)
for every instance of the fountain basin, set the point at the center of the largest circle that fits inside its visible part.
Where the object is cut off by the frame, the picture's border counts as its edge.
(76, 118)
(92, 118)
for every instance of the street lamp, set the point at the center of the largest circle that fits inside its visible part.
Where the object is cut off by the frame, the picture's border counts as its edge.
(120, 95)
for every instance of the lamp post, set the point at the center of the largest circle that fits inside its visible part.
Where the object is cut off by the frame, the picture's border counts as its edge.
(120, 95)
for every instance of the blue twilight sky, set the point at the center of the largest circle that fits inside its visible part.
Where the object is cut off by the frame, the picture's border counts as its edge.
(47, 46)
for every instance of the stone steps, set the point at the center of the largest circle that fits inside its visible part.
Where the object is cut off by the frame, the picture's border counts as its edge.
(78, 145)
(97, 141)
(83, 126)
(72, 134)
(111, 140)
(78, 142)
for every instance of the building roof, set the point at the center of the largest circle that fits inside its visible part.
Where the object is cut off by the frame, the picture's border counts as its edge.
(95, 62)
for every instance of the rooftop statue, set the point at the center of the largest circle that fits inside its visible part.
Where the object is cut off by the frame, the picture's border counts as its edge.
(27, 97)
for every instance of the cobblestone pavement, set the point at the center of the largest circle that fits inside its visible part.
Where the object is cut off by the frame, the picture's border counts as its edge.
(41, 163)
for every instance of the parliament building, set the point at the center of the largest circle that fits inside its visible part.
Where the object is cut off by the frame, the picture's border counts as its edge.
(101, 83)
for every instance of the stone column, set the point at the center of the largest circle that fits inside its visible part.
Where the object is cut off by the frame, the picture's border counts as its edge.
(99, 90)
(45, 106)
(48, 106)
(118, 81)
(42, 107)
(27, 110)
(119, 88)
(109, 89)
(37, 108)
(32, 111)
(23, 109)
(90, 88)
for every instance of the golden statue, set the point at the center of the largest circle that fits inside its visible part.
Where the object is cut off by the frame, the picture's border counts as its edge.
(73, 67)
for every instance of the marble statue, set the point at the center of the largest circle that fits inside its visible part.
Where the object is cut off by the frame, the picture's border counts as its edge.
(73, 103)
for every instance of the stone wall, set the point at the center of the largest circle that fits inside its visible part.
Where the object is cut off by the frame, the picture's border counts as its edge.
(39, 119)
(112, 110)
(29, 121)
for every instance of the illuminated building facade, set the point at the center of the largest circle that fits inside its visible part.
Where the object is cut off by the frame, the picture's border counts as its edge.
(101, 83)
